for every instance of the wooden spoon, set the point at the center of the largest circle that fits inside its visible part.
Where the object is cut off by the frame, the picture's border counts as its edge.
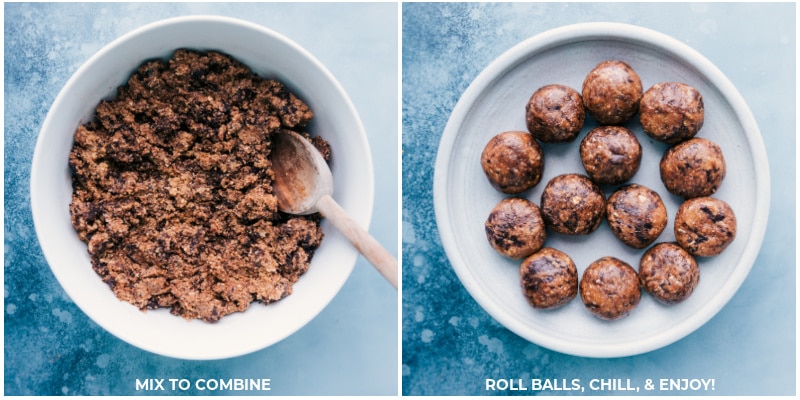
(304, 185)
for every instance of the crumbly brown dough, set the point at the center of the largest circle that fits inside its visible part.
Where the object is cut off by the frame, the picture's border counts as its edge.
(671, 112)
(513, 162)
(549, 278)
(573, 205)
(668, 273)
(636, 215)
(555, 114)
(172, 188)
(610, 154)
(705, 226)
(515, 228)
(610, 288)
(611, 92)
(694, 168)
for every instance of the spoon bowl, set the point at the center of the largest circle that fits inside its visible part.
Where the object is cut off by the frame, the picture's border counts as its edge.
(302, 176)
(304, 185)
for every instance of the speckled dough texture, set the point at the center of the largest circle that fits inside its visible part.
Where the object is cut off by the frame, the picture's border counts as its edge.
(610, 288)
(694, 168)
(172, 189)
(668, 273)
(705, 226)
(573, 205)
(515, 228)
(610, 154)
(636, 215)
(513, 162)
(549, 278)
(611, 92)
(671, 112)
(555, 114)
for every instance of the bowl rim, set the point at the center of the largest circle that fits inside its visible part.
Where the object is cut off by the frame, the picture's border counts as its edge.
(588, 32)
(359, 141)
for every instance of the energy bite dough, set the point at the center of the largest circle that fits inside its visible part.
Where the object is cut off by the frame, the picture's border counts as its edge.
(172, 188)
(636, 215)
(555, 114)
(671, 112)
(668, 273)
(705, 226)
(694, 168)
(573, 205)
(549, 278)
(611, 92)
(515, 228)
(513, 162)
(610, 154)
(610, 288)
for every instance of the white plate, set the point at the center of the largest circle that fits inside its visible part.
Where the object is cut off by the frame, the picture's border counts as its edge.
(268, 54)
(495, 102)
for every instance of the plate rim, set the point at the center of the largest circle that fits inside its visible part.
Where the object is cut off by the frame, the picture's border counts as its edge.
(587, 32)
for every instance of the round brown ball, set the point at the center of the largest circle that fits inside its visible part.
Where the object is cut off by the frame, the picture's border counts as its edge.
(549, 278)
(515, 228)
(705, 226)
(513, 162)
(636, 215)
(668, 273)
(694, 168)
(610, 288)
(610, 154)
(573, 205)
(611, 92)
(671, 112)
(555, 114)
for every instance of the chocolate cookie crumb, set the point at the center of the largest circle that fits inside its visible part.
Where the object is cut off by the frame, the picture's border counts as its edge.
(172, 188)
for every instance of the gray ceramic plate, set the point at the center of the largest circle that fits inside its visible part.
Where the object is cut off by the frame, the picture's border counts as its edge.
(495, 102)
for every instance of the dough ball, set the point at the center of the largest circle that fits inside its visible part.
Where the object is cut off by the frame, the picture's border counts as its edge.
(610, 288)
(515, 228)
(573, 205)
(513, 162)
(671, 112)
(694, 168)
(611, 92)
(610, 154)
(705, 226)
(549, 278)
(555, 114)
(636, 215)
(668, 273)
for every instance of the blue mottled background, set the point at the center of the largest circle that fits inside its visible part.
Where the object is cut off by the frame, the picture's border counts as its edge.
(450, 345)
(53, 348)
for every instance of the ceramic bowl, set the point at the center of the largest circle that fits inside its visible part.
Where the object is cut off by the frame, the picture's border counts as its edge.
(268, 54)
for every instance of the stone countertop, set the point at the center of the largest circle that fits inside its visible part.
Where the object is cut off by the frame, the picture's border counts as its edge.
(451, 345)
(53, 348)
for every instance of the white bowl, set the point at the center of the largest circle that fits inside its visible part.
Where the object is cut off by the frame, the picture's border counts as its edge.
(268, 54)
(495, 102)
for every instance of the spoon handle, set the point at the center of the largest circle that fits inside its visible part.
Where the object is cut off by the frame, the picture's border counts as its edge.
(384, 262)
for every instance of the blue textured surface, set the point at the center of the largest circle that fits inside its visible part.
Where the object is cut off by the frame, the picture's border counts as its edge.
(52, 348)
(450, 345)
